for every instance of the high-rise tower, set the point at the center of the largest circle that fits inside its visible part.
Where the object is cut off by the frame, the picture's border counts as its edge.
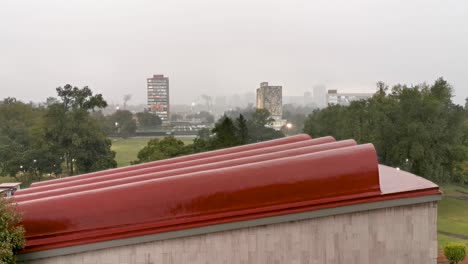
(158, 96)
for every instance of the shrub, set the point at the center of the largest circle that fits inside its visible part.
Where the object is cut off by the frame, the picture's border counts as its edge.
(11, 233)
(455, 252)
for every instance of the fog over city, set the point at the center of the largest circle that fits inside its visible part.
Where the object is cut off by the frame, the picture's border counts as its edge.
(224, 47)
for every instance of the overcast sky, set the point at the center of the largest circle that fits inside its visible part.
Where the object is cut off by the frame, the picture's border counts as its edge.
(223, 47)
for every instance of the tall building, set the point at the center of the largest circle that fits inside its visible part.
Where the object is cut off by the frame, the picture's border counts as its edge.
(271, 99)
(320, 96)
(308, 99)
(158, 96)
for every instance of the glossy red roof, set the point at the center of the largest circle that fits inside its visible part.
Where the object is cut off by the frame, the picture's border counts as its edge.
(276, 142)
(226, 186)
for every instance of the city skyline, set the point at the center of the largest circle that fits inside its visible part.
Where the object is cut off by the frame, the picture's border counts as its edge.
(209, 47)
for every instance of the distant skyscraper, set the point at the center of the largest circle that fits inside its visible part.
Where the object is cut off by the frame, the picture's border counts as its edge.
(308, 99)
(158, 96)
(271, 99)
(320, 96)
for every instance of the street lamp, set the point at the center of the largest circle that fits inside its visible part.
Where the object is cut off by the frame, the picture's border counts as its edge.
(118, 128)
(289, 125)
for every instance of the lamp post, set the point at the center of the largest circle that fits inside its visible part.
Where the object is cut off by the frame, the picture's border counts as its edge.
(118, 127)
(288, 128)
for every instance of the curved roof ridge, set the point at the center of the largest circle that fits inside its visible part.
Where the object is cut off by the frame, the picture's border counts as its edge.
(175, 164)
(202, 198)
(119, 179)
(274, 142)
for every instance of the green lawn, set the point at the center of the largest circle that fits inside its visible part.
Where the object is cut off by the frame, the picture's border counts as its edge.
(453, 214)
(127, 149)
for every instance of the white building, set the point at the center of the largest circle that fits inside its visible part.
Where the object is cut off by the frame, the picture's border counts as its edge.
(158, 96)
(333, 97)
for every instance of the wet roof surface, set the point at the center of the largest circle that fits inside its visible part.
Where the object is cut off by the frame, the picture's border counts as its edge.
(277, 177)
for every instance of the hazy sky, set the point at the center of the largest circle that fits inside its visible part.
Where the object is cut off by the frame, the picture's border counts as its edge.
(222, 47)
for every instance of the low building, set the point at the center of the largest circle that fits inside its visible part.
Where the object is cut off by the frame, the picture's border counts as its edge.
(8, 189)
(291, 200)
(335, 98)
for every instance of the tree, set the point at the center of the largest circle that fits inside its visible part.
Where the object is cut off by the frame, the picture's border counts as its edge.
(20, 143)
(76, 98)
(225, 134)
(157, 149)
(11, 233)
(69, 129)
(148, 119)
(204, 133)
(203, 115)
(417, 128)
(125, 126)
(257, 127)
(242, 129)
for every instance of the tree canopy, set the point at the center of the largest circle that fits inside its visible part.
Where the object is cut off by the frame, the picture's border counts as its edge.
(11, 233)
(416, 128)
(74, 134)
(60, 135)
(227, 132)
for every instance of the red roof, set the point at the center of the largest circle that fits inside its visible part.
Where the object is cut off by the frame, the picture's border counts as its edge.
(278, 177)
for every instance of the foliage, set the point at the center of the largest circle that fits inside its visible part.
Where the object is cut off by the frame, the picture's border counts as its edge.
(126, 149)
(124, 125)
(296, 116)
(204, 133)
(417, 128)
(148, 119)
(455, 252)
(226, 133)
(22, 149)
(203, 115)
(11, 233)
(242, 129)
(158, 149)
(77, 138)
(257, 127)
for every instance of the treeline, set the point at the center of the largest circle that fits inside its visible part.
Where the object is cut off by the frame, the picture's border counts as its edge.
(228, 132)
(418, 129)
(58, 137)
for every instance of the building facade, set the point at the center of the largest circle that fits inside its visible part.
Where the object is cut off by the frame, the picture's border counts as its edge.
(158, 96)
(336, 98)
(320, 96)
(271, 99)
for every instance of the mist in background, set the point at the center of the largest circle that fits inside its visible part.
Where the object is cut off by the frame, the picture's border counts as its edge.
(225, 47)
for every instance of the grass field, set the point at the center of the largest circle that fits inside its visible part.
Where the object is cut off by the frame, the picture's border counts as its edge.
(453, 214)
(127, 149)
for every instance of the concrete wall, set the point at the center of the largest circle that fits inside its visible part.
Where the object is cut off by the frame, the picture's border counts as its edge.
(404, 234)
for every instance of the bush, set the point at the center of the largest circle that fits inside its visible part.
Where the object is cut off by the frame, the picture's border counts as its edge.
(11, 233)
(455, 252)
